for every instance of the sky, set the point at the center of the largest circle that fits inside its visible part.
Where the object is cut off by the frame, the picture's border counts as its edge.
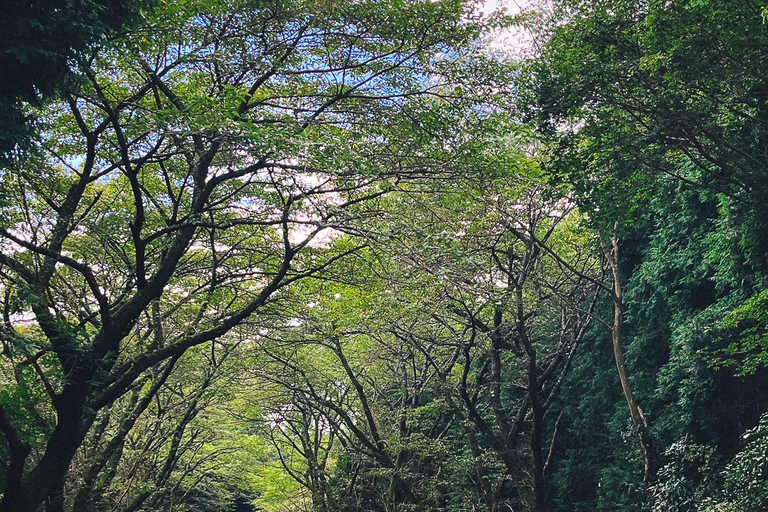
(515, 41)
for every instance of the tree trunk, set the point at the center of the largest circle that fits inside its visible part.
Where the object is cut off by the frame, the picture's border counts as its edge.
(639, 423)
(537, 444)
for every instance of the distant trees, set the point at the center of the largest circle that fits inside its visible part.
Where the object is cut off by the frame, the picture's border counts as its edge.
(154, 447)
(437, 370)
(514, 316)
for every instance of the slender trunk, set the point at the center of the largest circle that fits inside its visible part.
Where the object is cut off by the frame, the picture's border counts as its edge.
(539, 499)
(537, 445)
(639, 423)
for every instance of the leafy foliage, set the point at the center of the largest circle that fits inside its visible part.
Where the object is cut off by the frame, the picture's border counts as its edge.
(305, 256)
(42, 42)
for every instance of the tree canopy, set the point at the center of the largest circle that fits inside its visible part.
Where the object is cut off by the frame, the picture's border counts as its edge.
(310, 256)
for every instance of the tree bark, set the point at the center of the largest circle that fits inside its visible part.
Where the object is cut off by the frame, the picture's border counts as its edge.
(644, 437)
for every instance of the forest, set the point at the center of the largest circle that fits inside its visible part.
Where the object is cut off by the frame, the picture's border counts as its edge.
(384, 256)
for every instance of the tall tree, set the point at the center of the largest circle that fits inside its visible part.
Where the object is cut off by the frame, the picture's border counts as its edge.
(631, 90)
(512, 315)
(647, 100)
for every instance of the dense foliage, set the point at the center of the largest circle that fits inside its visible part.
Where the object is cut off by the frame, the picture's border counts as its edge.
(310, 256)
(44, 46)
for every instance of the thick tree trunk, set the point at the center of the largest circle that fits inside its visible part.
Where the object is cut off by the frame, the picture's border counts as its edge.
(47, 477)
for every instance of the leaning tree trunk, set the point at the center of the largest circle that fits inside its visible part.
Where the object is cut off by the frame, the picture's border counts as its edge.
(644, 437)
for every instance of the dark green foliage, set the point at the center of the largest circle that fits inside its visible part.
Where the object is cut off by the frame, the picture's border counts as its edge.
(655, 113)
(42, 41)
(695, 345)
(691, 291)
(746, 330)
(643, 84)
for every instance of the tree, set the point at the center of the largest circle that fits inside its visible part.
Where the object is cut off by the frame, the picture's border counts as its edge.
(185, 185)
(512, 316)
(355, 424)
(160, 442)
(650, 87)
(474, 320)
(652, 105)
(653, 112)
